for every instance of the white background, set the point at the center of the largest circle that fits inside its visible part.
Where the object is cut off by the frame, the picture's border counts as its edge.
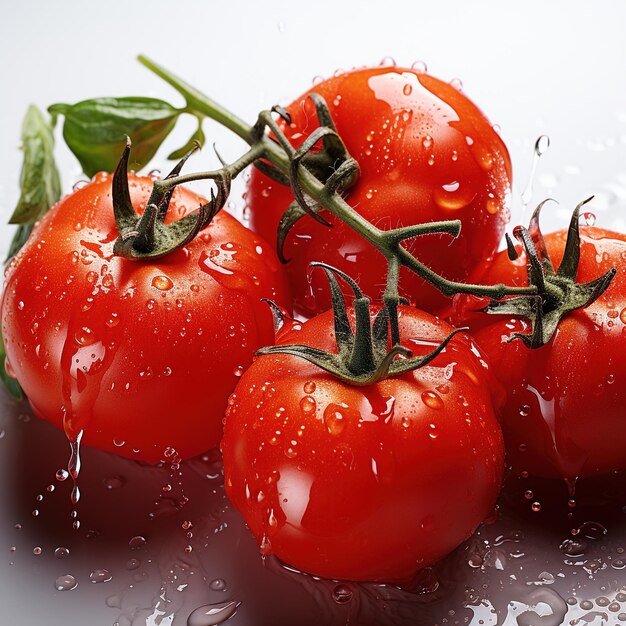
(533, 67)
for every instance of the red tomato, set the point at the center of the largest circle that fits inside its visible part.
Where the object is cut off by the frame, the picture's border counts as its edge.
(426, 153)
(364, 483)
(565, 414)
(140, 355)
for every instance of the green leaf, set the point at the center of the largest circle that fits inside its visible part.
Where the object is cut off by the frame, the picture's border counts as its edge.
(198, 136)
(39, 181)
(95, 130)
(12, 386)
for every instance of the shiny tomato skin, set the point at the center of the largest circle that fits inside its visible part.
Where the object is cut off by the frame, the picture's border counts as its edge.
(565, 413)
(426, 153)
(140, 355)
(364, 483)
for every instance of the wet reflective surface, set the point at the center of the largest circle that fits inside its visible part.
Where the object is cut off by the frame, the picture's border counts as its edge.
(161, 546)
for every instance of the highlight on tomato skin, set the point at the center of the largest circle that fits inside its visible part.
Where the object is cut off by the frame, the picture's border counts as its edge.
(426, 153)
(564, 417)
(364, 483)
(140, 355)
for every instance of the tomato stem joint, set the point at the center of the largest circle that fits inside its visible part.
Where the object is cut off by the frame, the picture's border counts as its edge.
(147, 236)
(558, 293)
(363, 356)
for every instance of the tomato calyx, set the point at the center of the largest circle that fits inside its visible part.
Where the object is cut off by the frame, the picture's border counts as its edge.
(332, 165)
(363, 356)
(558, 293)
(147, 236)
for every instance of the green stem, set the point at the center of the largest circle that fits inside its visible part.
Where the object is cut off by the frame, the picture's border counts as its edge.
(199, 103)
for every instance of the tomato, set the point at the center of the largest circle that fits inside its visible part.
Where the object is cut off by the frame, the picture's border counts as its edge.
(364, 482)
(564, 417)
(139, 355)
(426, 153)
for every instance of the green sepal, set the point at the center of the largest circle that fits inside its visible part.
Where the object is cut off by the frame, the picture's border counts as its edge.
(558, 293)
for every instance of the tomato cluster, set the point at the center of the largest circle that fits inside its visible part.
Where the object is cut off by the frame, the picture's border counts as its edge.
(368, 441)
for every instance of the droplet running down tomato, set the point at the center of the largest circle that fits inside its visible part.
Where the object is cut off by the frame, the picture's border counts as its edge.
(364, 483)
(140, 355)
(426, 153)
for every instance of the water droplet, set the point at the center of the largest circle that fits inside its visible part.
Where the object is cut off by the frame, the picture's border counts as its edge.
(132, 564)
(342, 594)
(61, 553)
(588, 218)
(419, 67)
(529, 495)
(219, 584)
(37, 551)
(427, 142)
(65, 583)
(536, 506)
(308, 405)
(309, 386)
(432, 400)
(457, 83)
(334, 419)
(573, 548)
(100, 575)
(387, 62)
(162, 283)
(136, 543)
(238, 371)
(542, 144)
(212, 614)
(524, 410)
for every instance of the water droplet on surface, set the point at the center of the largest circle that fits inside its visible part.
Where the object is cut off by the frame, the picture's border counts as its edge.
(136, 543)
(100, 576)
(219, 584)
(309, 386)
(61, 553)
(387, 62)
(238, 371)
(212, 614)
(37, 551)
(65, 583)
(457, 83)
(536, 507)
(342, 594)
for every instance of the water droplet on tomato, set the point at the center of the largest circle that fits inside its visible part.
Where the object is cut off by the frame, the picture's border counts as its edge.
(387, 62)
(61, 553)
(309, 386)
(62, 475)
(427, 142)
(334, 419)
(536, 507)
(529, 495)
(308, 405)
(238, 371)
(432, 400)
(162, 283)
(419, 67)
(457, 83)
(137, 542)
